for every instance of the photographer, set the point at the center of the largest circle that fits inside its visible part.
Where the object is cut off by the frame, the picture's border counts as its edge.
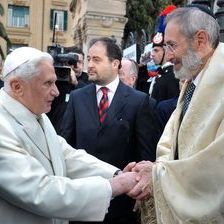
(81, 77)
(69, 77)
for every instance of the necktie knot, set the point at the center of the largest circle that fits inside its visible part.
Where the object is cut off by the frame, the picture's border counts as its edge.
(104, 90)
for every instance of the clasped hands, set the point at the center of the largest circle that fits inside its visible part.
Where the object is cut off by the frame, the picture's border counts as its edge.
(135, 180)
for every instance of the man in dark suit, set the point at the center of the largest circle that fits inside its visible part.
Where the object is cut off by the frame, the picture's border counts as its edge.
(164, 110)
(127, 132)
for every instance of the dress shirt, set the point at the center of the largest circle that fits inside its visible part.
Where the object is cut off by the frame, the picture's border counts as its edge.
(112, 87)
(198, 78)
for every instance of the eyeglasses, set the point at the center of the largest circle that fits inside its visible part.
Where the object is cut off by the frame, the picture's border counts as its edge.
(170, 47)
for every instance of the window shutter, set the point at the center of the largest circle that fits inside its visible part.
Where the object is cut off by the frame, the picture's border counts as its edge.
(51, 19)
(65, 20)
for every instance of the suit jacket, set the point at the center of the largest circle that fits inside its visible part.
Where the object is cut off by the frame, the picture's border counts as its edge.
(40, 182)
(141, 83)
(164, 109)
(190, 190)
(129, 132)
(59, 104)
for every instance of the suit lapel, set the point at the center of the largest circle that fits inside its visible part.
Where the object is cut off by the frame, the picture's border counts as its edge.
(49, 146)
(26, 119)
(117, 105)
(91, 104)
(36, 134)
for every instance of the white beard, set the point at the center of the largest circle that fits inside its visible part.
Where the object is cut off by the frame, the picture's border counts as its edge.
(190, 62)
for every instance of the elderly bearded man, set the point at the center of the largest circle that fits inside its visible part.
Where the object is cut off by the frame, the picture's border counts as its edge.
(187, 178)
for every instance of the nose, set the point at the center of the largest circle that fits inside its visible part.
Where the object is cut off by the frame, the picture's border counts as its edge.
(170, 57)
(55, 91)
(90, 63)
(152, 55)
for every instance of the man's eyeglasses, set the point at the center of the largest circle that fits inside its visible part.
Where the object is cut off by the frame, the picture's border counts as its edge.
(170, 47)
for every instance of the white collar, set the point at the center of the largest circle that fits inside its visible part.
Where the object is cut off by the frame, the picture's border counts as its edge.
(111, 86)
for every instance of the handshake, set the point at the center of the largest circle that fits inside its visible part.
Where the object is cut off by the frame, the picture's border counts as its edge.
(135, 181)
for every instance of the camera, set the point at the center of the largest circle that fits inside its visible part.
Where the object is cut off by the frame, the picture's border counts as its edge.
(62, 62)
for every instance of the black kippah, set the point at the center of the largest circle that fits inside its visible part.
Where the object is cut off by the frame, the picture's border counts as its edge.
(203, 8)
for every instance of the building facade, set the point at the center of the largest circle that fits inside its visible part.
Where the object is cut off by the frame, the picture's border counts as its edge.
(95, 18)
(32, 22)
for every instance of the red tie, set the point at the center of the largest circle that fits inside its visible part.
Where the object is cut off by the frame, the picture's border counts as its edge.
(104, 103)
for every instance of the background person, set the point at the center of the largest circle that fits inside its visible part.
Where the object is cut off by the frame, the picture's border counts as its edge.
(43, 179)
(156, 77)
(128, 73)
(81, 78)
(166, 86)
(77, 78)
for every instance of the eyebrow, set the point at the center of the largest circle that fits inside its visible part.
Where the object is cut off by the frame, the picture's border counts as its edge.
(170, 42)
(94, 57)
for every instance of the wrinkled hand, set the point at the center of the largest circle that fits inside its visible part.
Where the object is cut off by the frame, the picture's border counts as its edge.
(123, 183)
(143, 188)
(129, 167)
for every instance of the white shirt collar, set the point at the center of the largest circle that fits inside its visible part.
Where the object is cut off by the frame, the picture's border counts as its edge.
(111, 86)
(112, 89)
(198, 78)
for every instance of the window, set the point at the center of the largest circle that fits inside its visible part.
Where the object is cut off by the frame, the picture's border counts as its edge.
(18, 16)
(59, 18)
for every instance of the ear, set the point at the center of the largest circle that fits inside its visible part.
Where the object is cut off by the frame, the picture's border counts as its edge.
(201, 39)
(16, 86)
(116, 63)
(133, 79)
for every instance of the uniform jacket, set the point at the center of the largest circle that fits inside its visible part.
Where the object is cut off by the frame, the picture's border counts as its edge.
(166, 85)
(40, 183)
(128, 133)
(190, 190)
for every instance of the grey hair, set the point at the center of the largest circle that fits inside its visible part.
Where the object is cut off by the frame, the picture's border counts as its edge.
(27, 70)
(192, 20)
(133, 68)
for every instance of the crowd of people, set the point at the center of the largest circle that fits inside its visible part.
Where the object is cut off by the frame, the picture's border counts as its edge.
(106, 150)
